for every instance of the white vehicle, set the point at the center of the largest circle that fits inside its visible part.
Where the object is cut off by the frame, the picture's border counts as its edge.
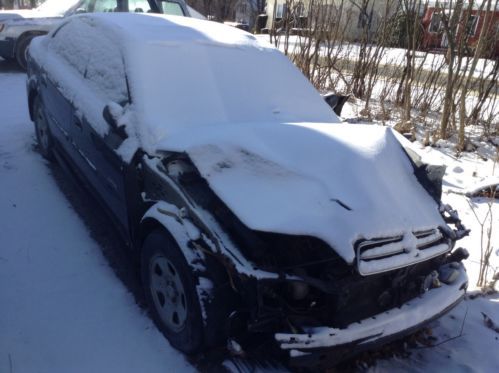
(254, 210)
(19, 27)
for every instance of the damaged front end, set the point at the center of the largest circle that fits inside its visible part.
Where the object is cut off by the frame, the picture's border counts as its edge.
(334, 311)
(297, 291)
(321, 345)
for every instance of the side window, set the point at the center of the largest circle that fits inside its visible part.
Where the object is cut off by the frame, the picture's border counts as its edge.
(94, 56)
(139, 6)
(106, 70)
(105, 6)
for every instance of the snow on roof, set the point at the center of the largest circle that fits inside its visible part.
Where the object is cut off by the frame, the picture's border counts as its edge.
(186, 72)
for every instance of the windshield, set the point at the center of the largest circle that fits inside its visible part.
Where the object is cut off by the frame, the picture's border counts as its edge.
(56, 7)
(210, 75)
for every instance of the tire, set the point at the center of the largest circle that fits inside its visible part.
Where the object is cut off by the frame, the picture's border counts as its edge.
(43, 135)
(170, 289)
(21, 49)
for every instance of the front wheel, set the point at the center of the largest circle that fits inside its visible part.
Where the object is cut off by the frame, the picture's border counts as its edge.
(170, 288)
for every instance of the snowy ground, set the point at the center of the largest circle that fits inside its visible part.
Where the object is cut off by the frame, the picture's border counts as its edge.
(64, 309)
(391, 56)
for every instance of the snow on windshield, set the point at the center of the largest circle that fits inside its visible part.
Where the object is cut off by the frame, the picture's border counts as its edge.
(188, 73)
(56, 7)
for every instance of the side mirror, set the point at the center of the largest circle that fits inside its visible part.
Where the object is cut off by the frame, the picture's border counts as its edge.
(336, 102)
(111, 113)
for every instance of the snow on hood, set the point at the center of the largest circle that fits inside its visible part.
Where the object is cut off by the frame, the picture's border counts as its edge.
(337, 182)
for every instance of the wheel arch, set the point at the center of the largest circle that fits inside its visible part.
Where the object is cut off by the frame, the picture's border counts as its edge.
(217, 298)
(149, 225)
(167, 217)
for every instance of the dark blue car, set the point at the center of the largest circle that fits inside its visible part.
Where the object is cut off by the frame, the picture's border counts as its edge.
(253, 209)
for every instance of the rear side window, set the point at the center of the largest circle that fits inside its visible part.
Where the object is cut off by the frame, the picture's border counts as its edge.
(94, 56)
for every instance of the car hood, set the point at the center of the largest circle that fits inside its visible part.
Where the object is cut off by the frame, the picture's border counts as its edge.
(336, 182)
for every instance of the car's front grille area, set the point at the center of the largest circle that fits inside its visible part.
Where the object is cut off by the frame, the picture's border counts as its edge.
(428, 238)
(385, 254)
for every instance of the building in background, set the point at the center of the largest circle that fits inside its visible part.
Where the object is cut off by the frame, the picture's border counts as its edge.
(472, 21)
(356, 16)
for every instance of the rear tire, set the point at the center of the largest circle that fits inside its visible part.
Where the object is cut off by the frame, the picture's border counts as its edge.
(43, 135)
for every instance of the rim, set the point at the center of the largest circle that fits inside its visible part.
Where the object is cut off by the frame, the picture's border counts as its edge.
(168, 293)
(42, 129)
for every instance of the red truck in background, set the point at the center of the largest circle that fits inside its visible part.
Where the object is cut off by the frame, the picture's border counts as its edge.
(470, 26)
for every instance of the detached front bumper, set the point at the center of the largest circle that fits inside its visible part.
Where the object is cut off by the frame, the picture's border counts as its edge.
(324, 344)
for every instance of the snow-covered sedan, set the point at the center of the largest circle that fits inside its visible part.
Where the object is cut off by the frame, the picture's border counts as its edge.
(19, 27)
(253, 209)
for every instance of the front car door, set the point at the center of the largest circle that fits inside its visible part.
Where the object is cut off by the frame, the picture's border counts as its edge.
(86, 76)
(105, 79)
